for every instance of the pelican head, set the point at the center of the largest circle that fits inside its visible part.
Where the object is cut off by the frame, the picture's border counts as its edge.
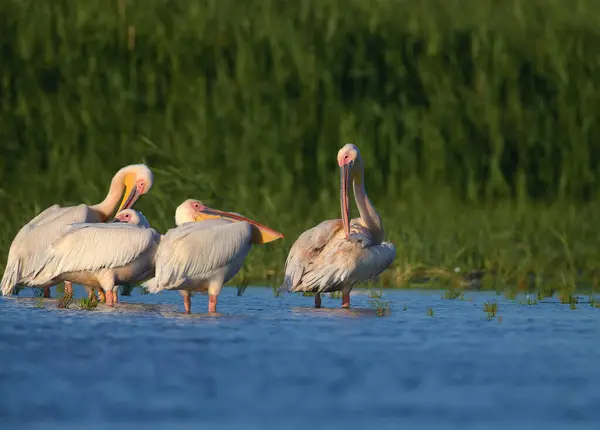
(194, 210)
(131, 216)
(350, 163)
(137, 180)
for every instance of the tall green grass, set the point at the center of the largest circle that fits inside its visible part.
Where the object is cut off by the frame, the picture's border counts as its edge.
(477, 119)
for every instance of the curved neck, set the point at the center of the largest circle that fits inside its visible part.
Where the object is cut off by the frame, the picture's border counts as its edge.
(366, 209)
(107, 206)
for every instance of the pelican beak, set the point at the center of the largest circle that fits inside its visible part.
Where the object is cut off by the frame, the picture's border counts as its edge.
(131, 193)
(260, 233)
(345, 180)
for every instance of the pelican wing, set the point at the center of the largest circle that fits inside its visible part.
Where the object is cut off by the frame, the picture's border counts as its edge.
(33, 239)
(325, 260)
(93, 246)
(197, 250)
(306, 250)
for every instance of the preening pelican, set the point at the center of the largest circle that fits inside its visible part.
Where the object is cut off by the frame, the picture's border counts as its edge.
(338, 254)
(100, 255)
(31, 243)
(130, 216)
(203, 255)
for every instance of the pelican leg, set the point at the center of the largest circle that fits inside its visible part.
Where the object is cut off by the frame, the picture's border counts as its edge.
(116, 295)
(317, 300)
(47, 292)
(187, 303)
(187, 300)
(212, 303)
(346, 299)
(109, 298)
(68, 288)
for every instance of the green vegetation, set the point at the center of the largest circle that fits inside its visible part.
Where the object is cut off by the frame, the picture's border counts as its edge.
(64, 301)
(490, 308)
(87, 304)
(477, 121)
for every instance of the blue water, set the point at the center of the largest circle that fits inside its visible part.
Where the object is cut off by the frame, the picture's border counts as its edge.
(270, 362)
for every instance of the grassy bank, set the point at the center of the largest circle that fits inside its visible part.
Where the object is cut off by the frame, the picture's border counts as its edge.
(477, 119)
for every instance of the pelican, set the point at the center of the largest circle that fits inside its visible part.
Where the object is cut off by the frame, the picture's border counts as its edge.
(31, 242)
(204, 255)
(100, 255)
(130, 216)
(338, 253)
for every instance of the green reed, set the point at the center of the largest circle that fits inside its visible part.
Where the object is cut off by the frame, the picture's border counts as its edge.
(477, 121)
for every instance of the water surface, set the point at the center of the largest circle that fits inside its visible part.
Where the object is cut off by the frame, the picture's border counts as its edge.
(270, 362)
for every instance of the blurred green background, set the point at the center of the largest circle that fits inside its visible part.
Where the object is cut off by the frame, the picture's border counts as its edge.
(477, 120)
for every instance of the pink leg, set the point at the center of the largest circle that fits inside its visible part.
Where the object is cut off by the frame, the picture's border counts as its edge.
(317, 300)
(68, 288)
(346, 299)
(187, 303)
(109, 298)
(212, 304)
(46, 292)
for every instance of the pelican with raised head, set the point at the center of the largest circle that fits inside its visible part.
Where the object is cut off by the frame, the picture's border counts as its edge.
(101, 255)
(31, 243)
(206, 249)
(340, 253)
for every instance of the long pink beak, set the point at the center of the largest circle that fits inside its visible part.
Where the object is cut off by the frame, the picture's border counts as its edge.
(345, 171)
(266, 234)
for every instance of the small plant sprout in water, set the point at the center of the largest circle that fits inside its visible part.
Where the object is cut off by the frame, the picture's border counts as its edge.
(490, 309)
(65, 301)
(529, 301)
(594, 302)
(430, 312)
(452, 294)
(39, 303)
(87, 304)
(241, 287)
(405, 308)
(382, 308)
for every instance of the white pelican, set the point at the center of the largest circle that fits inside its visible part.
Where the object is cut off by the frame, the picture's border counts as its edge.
(129, 216)
(338, 254)
(203, 255)
(32, 241)
(100, 255)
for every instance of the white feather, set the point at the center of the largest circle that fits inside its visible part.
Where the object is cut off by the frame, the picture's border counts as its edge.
(31, 243)
(199, 251)
(323, 260)
(84, 247)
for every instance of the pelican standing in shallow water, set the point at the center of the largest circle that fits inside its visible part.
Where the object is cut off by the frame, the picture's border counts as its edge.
(31, 243)
(101, 255)
(129, 216)
(338, 254)
(206, 249)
